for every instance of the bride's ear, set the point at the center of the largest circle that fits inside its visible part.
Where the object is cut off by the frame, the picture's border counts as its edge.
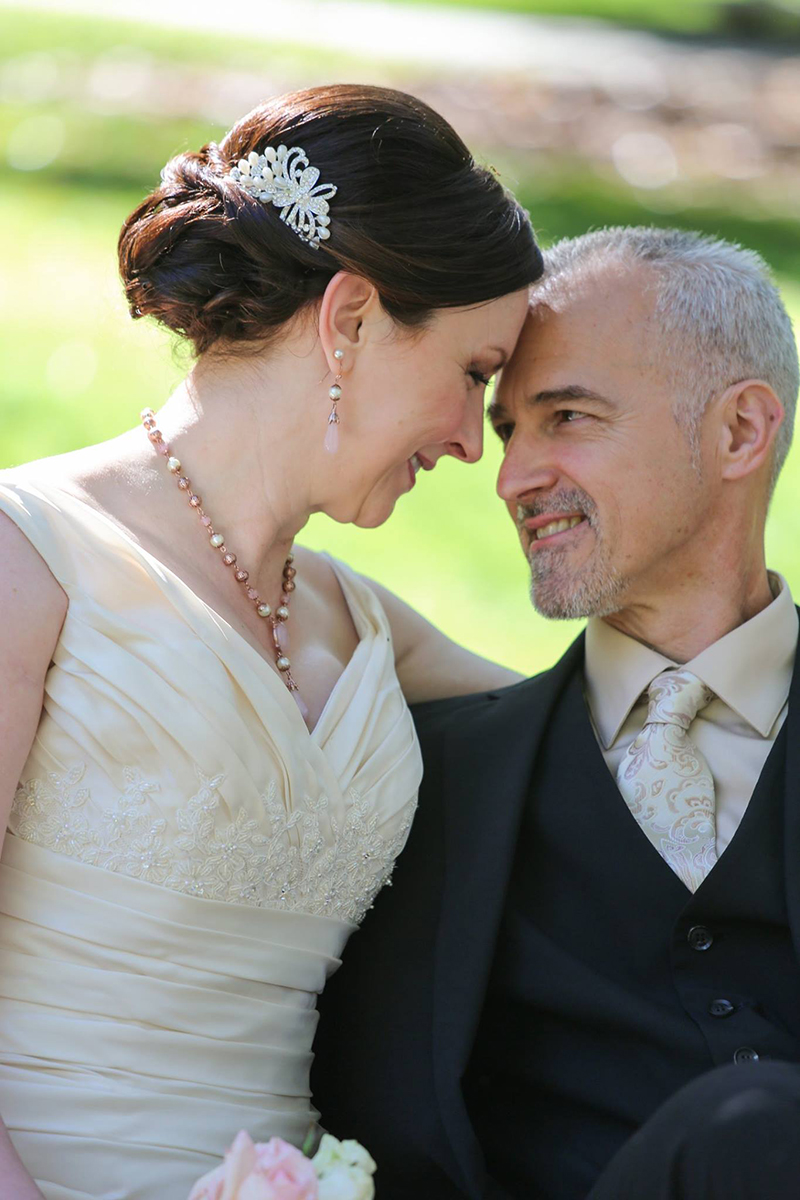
(348, 308)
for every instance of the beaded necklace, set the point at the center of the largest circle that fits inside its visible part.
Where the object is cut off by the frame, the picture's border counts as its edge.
(277, 619)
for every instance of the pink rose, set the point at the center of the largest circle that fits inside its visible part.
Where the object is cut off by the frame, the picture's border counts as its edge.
(286, 1172)
(271, 1170)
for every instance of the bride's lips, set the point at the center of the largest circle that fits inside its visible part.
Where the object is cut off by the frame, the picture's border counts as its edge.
(418, 462)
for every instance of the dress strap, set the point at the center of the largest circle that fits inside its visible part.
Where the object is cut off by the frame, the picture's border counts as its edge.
(40, 517)
(369, 615)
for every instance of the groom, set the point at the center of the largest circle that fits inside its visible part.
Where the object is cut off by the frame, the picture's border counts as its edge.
(585, 980)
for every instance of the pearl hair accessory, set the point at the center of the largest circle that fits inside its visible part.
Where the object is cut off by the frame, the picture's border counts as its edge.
(277, 619)
(285, 178)
(335, 393)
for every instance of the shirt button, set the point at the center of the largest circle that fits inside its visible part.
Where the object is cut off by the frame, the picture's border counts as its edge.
(700, 938)
(721, 1008)
(745, 1054)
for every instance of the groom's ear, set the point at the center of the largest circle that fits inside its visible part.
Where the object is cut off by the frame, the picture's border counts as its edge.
(348, 312)
(751, 416)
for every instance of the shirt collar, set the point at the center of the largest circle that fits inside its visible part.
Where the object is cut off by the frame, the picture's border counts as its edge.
(750, 668)
(618, 670)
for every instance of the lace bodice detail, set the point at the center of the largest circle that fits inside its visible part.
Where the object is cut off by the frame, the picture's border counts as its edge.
(282, 861)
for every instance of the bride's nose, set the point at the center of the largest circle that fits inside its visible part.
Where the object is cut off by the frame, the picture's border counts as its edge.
(466, 443)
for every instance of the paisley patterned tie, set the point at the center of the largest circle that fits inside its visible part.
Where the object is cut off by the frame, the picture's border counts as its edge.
(666, 782)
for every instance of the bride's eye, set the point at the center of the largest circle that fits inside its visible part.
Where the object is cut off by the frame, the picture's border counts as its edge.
(479, 378)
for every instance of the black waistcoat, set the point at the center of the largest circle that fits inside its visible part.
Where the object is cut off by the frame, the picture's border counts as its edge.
(612, 985)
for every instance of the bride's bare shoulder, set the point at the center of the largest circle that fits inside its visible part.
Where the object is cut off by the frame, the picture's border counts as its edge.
(320, 591)
(75, 471)
(315, 570)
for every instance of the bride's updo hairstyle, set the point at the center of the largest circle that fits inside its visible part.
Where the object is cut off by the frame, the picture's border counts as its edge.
(413, 213)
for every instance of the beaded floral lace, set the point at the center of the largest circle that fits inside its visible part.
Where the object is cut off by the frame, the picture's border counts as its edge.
(282, 861)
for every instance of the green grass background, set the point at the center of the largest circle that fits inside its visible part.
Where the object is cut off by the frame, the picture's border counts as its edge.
(75, 369)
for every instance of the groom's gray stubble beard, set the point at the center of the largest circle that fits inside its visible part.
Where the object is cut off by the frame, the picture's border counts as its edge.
(556, 594)
(596, 594)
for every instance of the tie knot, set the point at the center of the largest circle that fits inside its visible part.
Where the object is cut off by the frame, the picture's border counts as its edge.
(676, 697)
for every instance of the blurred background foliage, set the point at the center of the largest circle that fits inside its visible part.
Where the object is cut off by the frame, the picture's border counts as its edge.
(677, 112)
(763, 20)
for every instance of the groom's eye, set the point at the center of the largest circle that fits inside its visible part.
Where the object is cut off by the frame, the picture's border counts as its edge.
(567, 416)
(504, 431)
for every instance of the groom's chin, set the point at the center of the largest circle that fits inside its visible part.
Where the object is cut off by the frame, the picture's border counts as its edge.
(555, 607)
(563, 601)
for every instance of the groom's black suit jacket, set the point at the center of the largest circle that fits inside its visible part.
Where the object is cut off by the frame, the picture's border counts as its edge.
(399, 1019)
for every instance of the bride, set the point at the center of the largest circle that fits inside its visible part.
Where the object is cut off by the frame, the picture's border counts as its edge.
(208, 766)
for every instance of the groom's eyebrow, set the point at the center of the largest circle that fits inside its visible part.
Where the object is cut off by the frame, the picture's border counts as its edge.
(572, 391)
(497, 412)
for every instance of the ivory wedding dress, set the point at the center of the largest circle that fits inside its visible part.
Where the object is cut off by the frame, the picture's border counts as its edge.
(183, 867)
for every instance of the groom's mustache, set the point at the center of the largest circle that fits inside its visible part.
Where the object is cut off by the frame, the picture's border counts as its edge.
(566, 503)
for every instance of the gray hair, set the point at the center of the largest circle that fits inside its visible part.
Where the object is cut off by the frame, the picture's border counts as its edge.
(720, 311)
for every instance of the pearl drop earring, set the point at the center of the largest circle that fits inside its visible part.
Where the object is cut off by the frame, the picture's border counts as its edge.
(335, 393)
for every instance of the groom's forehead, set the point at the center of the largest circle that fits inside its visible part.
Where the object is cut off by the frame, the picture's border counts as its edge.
(548, 370)
(606, 326)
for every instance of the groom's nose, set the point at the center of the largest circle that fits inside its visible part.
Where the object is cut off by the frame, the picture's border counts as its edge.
(524, 469)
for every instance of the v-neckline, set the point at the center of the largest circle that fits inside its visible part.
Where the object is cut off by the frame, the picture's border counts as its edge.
(288, 703)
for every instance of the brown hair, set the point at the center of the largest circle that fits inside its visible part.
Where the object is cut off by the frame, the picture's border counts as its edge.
(413, 213)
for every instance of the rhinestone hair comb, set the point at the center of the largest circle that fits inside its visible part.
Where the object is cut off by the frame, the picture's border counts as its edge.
(285, 178)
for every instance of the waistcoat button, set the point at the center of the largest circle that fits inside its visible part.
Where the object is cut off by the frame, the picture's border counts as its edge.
(745, 1054)
(700, 938)
(721, 1008)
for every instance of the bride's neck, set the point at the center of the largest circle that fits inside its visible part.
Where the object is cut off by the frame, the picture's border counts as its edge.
(239, 428)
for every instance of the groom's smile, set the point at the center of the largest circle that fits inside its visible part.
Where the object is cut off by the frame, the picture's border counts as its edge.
(548, 528)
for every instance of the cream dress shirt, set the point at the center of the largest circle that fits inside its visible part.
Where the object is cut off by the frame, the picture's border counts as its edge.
(750, 672)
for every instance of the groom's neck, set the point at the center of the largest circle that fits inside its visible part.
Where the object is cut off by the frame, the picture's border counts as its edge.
(684, 619)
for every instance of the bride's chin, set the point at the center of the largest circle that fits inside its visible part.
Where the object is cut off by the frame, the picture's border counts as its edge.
(375, 507)
(371, 513)
(372, 516)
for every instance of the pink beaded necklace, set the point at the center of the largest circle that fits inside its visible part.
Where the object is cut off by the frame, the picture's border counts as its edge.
(277, 619)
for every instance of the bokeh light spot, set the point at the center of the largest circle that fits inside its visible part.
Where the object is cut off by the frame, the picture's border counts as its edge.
(645, 160)
(35, 142)
(71, 369)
